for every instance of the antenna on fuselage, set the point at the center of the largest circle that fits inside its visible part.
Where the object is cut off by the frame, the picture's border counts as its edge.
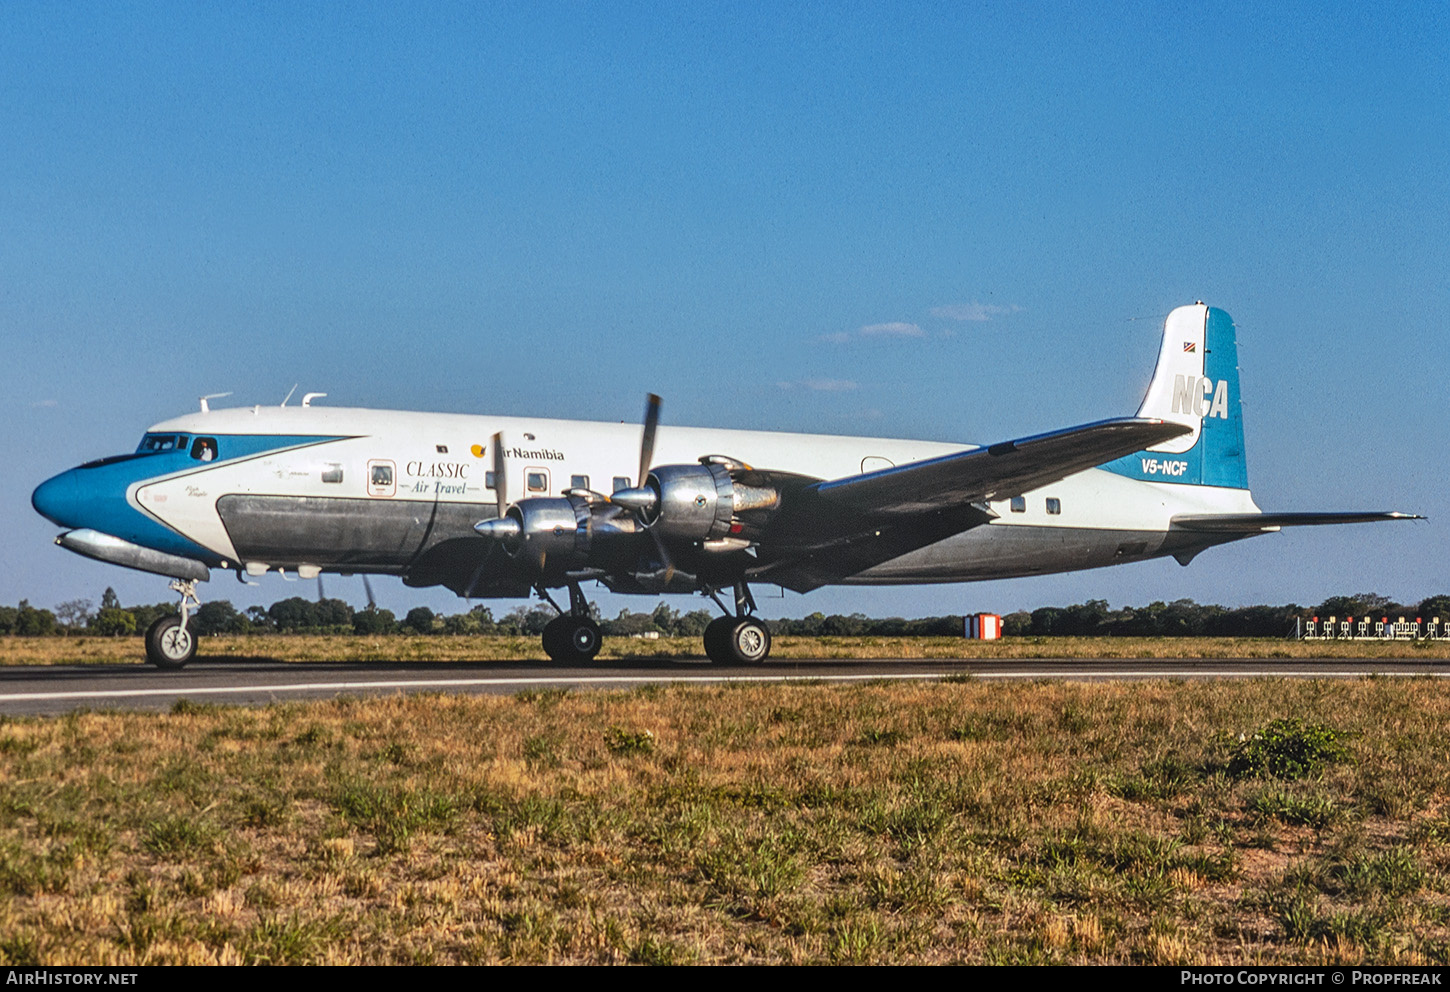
(290, 392)
(212, 396)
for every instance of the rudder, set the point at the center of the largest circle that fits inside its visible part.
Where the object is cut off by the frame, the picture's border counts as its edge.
(1195, 383)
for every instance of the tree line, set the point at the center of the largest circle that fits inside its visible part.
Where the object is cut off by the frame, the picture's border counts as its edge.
(296, 615)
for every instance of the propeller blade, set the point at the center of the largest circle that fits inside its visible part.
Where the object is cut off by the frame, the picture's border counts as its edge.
(647, 439)
(500, 474)
(320, 594)
(372, 603)
(665, 559)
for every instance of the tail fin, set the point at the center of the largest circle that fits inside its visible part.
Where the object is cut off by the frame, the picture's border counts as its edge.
(1196, 383)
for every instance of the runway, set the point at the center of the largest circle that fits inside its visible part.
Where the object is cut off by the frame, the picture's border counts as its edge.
(51, 689)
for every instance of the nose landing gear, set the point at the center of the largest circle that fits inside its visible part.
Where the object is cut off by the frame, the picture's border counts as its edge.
(170, 643)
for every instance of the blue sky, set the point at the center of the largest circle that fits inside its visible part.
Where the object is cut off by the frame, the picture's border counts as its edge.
(942, 221)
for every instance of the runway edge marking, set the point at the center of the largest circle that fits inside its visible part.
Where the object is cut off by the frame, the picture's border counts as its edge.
(703, 679)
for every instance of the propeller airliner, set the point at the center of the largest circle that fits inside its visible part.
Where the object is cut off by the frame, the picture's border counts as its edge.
(508, 506)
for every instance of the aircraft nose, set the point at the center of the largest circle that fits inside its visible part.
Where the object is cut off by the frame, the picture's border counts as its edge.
(58, 499)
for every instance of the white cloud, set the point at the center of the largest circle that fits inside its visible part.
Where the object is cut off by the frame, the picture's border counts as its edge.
(820, 385)
(896, 329)
(43, 403)
(973, 311)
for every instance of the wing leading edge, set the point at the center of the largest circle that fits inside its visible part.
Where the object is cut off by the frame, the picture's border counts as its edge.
(996, 471)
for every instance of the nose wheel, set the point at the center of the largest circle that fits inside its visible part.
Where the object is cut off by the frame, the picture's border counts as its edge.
(170, 645)
(170, 641)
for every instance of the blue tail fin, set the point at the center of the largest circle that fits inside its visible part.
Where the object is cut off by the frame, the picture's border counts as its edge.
(1196, 383)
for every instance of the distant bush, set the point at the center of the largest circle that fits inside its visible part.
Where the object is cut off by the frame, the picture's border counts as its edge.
(113, 622)
(1094, 618)
(373, 621)
(30, 622)
(220, 617)
(419, 620)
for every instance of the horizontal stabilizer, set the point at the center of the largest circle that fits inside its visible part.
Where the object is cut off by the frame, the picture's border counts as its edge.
(1250, 523)
(997, 471)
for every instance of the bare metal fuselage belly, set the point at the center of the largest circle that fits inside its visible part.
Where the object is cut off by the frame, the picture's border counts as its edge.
(394, 537)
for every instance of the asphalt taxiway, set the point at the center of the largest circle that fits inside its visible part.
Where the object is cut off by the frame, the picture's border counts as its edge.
(49, 689)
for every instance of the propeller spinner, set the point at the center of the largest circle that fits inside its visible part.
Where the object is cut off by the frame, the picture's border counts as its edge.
(503, 527)
(641, 498)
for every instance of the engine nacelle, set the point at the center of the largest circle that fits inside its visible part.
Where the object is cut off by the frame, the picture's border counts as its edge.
(695, 502)
(553, 533)
(549, 536)
(703, 502)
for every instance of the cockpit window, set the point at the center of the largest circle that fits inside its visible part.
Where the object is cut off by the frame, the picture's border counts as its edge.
(154, 443)
(203, 449)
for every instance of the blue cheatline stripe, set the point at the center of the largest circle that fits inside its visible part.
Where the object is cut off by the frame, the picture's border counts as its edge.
(102, 488)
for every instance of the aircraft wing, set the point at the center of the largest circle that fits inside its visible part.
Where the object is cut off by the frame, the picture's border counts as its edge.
(1253, 523)
(997, 471)
(829, 530)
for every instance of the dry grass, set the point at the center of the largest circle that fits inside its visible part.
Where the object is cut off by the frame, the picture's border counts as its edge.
(107, 650)
(948, 822)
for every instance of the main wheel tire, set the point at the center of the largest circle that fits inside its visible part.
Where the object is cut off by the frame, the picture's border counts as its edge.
(554, 638)
(169, 645)
(717, 636)
(737, 641)
(585, 639)
(572, 640)
(749, 642)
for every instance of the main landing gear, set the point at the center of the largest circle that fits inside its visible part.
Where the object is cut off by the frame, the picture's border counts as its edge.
(741, 639)
(573, 637)
(170, 643)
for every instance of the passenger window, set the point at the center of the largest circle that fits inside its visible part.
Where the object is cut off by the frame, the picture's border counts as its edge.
(442, 449)
(1019, 504)
(1054, 506)
(203, 449)
(332, 473)
(621, 482)
(537, 481)
(381, 478)
(578, 482)
(489, 480)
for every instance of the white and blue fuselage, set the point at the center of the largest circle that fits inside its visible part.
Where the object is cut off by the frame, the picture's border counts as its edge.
(499, 506)
(356, 490)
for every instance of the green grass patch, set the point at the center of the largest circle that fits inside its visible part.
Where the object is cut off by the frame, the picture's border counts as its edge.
(1288, 748)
